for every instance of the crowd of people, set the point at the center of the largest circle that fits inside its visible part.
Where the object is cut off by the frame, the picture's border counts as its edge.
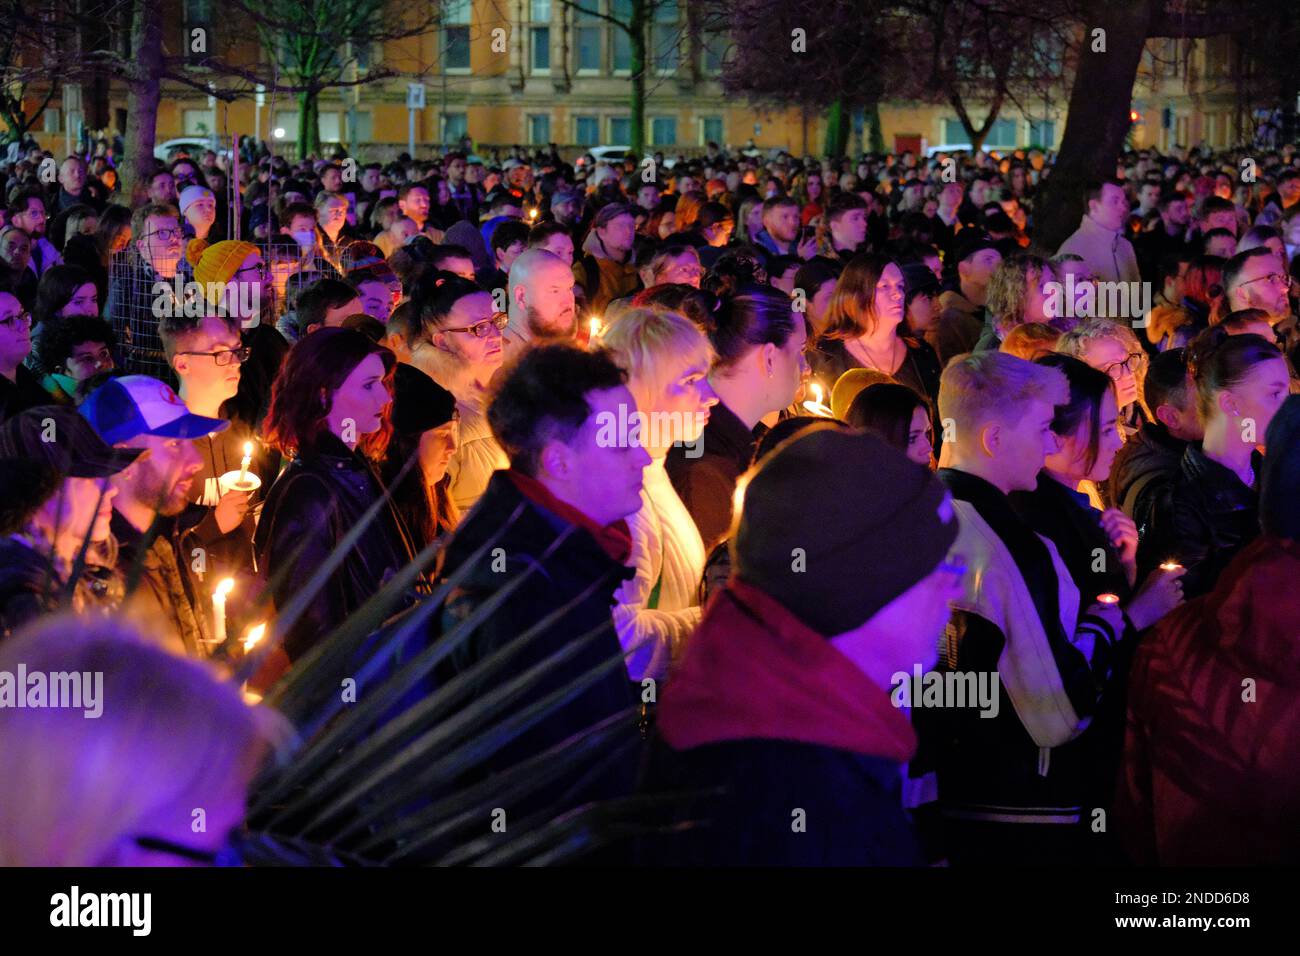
(774, 432)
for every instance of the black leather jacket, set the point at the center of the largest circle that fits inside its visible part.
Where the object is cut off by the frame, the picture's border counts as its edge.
(317, 499)
(1210, 515)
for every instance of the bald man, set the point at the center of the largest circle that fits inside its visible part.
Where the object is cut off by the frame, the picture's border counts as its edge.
(541, 305)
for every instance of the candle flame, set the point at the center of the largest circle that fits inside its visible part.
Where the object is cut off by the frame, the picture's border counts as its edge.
(1170, 565)
(248, 449)
(816, 393)
(1108, 598)
(532, 214)
(596, 327)
(224, 587)
(254, 635)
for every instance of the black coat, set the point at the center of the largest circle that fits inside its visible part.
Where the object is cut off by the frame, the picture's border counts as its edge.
(706, 483)
(577, 570)
(920, 370)
(1209, 516)
(317, 499)
(29, 586)
(851, 803)
(1144, 471)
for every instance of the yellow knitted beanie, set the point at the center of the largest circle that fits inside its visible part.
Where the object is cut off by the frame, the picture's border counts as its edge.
(220, 260)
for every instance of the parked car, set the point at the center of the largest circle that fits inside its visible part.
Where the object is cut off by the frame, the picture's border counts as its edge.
(192, 145)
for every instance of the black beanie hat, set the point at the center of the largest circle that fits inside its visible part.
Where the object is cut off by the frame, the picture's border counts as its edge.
(835, 524)
(419, 403)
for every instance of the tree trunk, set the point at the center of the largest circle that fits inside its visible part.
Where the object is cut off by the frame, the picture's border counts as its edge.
(877, 136)
(837, 130)
(1098, 118)
(144, 92)
(308, 124)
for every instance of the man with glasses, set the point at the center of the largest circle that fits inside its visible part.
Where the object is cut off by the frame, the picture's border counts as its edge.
(1255, 279)
(208, 356)
(141, 289)
(27, 212)
(19, 387)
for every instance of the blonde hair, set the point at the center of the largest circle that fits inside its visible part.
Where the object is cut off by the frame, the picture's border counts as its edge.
(978, 386)
(1075, 343)
(1165, 320)
(848, 385)
(1029, 340)
(170, 738)
(1009, 288)
(653, 347)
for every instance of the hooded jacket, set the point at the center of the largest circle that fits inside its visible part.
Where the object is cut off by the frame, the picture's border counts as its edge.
(1144, 470)
(958, 327)
(794, 752)
(1212, 755)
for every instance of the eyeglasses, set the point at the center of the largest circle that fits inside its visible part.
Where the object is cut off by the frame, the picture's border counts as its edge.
(1273, 278)
(481, 330)
(1130, 364)
(166, 235)
(14, 321)
(225, 356)
(261, 270)
(102, 357)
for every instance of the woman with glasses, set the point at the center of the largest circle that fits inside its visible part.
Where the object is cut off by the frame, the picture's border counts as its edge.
(455, 339)
(329, 416)
(19, 386)
(170, 736)
(1113, 348)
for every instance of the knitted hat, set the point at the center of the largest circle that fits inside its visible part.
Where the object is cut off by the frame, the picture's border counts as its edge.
(192, 194)
(220, 260)
(419, 403)
(835, 524)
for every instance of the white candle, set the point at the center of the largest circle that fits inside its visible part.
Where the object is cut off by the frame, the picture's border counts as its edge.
(815, 405)
(596, 328)
(253, 636)
(223, 588)
(243, 465)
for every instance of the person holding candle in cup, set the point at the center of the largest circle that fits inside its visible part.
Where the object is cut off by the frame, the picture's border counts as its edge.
(207, 356)
(156, 526)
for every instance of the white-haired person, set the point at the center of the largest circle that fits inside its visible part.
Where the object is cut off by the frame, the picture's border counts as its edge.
(1011, 781)
(119, 779)
(667, 359)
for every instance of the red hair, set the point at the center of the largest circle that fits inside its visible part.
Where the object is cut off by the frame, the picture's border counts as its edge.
(322, 359)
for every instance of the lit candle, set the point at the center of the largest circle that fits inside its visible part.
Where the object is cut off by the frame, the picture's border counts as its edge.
(243, 465)
(532, 213)
(596, 328)
(1108, 598)
(815, 405)
(1171, 565)
(253, 636)
(223, 588)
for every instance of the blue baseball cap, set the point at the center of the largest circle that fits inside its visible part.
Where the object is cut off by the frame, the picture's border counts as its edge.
(133, 405)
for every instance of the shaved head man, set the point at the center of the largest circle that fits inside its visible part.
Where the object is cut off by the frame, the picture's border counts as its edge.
(541, 305)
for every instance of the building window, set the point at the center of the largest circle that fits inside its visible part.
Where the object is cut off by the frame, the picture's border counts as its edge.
(663, 131)
(713, 45)
(621, 42)
(954, 134)
(540, 36)
(664, 37)
(586, 130)
(198, 122)
(327, 125)
(361, 127)
(1002, 135)
(588, 49)
(454, 126)
(710, 130)
(1042, 133)
(620, 130)
(455, 35)
(539, 129)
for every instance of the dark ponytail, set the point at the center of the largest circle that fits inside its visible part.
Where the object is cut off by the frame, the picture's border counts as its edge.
(1218, 360)
(750, 317)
